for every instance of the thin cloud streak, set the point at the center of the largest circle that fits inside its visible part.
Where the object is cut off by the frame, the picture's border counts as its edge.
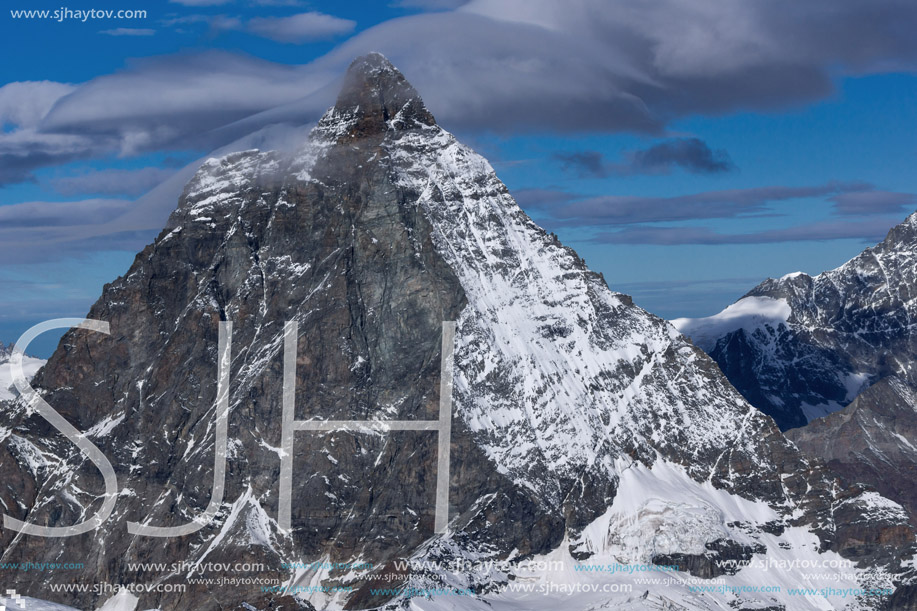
(690, 154)
(729, 203)
(869, 230)
(873, 202)
(112, 181)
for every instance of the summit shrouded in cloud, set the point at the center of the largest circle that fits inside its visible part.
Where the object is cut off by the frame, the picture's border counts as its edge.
(633, 102)
(579, 75)
(611, 102)
(320, 282)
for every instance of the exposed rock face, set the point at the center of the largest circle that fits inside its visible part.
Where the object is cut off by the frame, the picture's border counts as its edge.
(715, 561)
(841, 332)
(872, 440)
(382, 227)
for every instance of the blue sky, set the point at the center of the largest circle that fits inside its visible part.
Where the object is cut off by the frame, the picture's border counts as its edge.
(687, 150)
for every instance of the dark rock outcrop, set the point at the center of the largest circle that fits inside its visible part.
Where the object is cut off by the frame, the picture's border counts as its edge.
(723, 557)
(873, 440)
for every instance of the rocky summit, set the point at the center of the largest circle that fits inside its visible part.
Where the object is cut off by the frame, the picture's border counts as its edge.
(583, 429)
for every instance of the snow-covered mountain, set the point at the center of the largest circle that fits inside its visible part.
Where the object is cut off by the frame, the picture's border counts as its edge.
(800, 347)
(30, 366)
(584, 429)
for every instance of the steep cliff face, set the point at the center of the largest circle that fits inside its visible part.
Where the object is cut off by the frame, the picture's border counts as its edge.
(800, 347)
(581, 425)
(872, 440)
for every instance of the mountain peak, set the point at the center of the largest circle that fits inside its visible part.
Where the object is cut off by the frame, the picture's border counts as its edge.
(367, 241)
(375, 97)
(373, 63)
(902, 236)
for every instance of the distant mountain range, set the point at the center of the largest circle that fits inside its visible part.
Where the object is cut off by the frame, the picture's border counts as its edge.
(800, 347)
(837, 351)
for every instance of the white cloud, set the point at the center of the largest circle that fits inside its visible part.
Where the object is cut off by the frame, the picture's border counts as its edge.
(23, 150)
(301, 28)
(43, 231)
(166, 99)
(583, 65)
(25, 103)
(217, 23)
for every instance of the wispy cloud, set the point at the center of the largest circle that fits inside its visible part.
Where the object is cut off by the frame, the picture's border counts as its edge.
(874, 202)
(868, 230)
(175, 101)
(861, 212)
(542, 198)
(45, 231)
(690, 154)
(58, 214)
(215, 23)
(304, 27)
(112, 181)
(24, 150)
(25, 103)
(729, 203)
(590, 164)
(580, 74)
